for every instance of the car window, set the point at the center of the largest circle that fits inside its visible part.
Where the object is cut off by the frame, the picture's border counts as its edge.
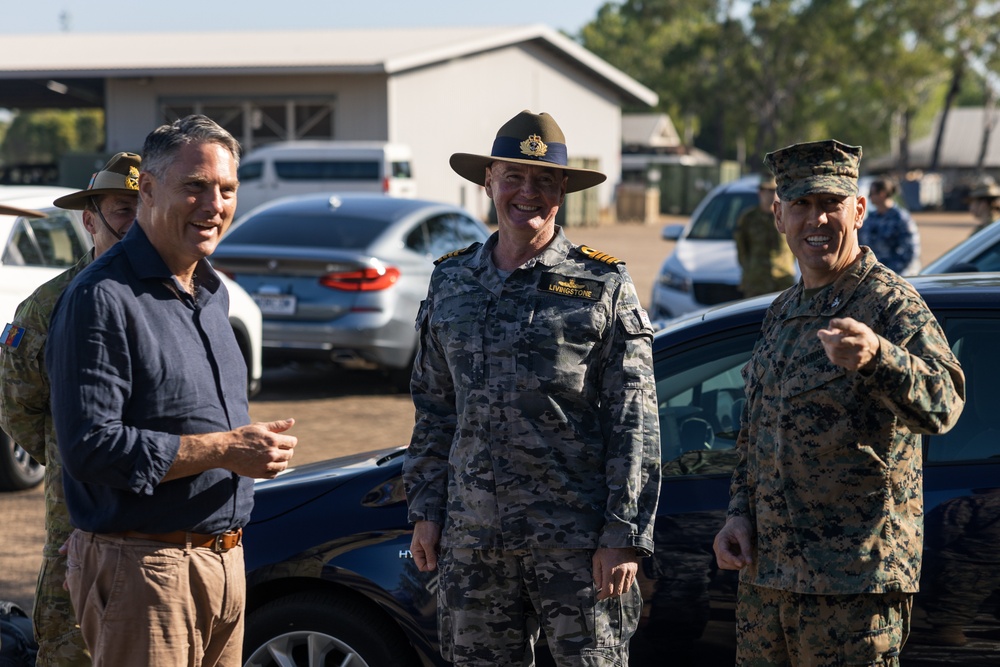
(700, 397)
(417, 241)
(303, 229)
(988, 260)
(52, 241)
(328, 170)
(717, 220)
(976, 435)
(451, 231)
(250, 171)
(401, 170)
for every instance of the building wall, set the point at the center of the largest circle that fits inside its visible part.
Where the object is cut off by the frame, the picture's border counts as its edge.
(455, 106)
(133, 105)
(458, 106)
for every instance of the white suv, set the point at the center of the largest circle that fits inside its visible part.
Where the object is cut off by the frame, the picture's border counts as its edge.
(36, 250)
(703, 269)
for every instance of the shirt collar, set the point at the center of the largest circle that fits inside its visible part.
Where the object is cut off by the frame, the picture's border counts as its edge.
(148, 265)
(836, 295)
(481, 261)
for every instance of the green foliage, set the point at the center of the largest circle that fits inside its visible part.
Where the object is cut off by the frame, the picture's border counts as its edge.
(768, 73)
(41, 137)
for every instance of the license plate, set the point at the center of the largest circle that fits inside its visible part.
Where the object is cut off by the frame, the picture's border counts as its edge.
(275, 304)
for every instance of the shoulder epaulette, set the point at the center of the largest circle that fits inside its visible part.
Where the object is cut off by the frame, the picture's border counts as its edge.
(456, 253)
(600, 256)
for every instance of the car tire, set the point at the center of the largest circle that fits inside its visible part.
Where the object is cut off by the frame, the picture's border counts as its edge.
(311, 629)
(18, 471)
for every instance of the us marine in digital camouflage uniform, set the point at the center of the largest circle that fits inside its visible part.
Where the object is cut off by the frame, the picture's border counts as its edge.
(534, 461)
(826, 508)
(766, 263)
(108, 205)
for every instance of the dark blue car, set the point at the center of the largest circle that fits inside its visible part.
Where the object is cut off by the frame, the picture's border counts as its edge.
(331, 581)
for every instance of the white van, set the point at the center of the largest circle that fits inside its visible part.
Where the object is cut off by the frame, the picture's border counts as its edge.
(302, 167)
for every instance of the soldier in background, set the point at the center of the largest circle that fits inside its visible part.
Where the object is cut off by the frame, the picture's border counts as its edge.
(108, 206)
(767, 263)
(984, 203)
(534, 461)
(826, 504)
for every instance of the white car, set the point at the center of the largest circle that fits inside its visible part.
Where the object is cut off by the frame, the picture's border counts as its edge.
(36, 250)
(703, 269)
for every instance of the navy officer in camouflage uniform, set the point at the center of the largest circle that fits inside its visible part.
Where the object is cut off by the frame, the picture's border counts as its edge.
(826, 509)
(108, 206)
(534, 461)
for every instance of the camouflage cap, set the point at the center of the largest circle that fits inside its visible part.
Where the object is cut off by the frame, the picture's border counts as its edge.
(120, 176)
(818, 166)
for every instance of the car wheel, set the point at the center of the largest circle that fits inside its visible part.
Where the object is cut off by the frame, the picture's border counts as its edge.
(318, 629)
(18, 470)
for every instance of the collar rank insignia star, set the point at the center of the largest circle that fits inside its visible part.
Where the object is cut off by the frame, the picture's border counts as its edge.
(534, 146)
(11, 336)
(579, 288)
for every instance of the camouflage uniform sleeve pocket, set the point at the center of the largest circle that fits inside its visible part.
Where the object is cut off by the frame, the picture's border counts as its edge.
(28, 347)
(421, 320)
(635, 321)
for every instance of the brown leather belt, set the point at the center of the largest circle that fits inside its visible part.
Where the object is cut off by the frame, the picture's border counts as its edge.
(217, 543)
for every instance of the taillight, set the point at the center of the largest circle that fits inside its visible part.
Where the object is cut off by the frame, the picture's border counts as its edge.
(385, 185)
(362, 280)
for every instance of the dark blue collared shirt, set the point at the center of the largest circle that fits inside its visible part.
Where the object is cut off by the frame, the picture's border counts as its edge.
(135, 362)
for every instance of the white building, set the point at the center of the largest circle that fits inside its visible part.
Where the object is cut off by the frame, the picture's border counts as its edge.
(439, 90)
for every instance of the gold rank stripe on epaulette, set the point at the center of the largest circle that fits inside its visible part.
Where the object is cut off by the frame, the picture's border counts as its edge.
(600, 256)
(456, 253)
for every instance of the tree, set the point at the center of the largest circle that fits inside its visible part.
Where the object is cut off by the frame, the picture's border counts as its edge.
(774, 72)
(41, 137)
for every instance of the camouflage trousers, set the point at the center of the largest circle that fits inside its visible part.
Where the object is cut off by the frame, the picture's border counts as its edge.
(60, 643)
(780, 628)
(493, 605)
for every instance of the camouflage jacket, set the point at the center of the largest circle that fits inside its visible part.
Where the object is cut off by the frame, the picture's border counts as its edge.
(536, 415)
(25, 411)
(830, 470)
(767, 263)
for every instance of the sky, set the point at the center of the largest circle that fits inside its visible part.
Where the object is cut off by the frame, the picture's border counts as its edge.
(51, 16)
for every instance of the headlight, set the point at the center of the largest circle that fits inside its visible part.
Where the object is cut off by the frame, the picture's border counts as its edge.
(675, 282)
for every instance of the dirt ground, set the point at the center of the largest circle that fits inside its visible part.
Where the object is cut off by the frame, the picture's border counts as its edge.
(346, 412)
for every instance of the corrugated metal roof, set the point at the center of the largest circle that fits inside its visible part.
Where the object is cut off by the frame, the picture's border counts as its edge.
(960, 145)
(382, 50)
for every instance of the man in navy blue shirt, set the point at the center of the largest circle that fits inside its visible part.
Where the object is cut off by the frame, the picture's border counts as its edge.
(152, 420)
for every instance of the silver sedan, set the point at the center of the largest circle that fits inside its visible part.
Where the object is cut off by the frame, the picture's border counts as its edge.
(339, 277)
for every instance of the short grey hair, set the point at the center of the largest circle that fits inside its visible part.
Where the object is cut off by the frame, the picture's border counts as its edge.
(163, 142)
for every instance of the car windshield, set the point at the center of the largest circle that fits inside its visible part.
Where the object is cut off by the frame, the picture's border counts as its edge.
(718, 219)
(307, 230)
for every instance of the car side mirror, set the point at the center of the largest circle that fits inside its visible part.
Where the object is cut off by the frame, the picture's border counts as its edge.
(672, 232)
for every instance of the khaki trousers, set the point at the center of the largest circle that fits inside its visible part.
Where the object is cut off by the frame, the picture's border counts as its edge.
(147, 603)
